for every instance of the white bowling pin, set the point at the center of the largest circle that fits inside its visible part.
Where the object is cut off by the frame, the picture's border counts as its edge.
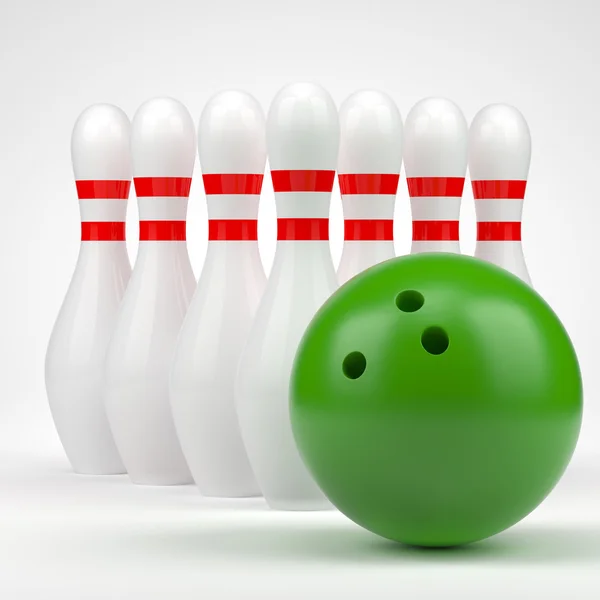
(499, 158)
(232, 152)
(302, 145)
(163, 145)
(368, 170)
(77, 348)
(435, 163)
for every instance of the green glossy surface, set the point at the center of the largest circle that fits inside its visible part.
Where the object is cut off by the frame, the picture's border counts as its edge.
(443, 446)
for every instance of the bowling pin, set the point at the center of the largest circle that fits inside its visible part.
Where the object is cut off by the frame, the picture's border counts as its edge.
(232, 152)
(499, 157)
(435, 163)
(76, 352)
(302, 146)
(163, 147)
(368, 172)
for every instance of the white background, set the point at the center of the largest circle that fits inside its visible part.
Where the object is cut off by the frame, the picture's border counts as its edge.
(64, 536)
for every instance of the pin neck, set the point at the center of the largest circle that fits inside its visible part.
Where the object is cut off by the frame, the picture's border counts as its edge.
(499, 231)
(302, 200)
(239, 254)
(248, 184)
(302, 180)
(102, 189)
(365, 230)
(162, 250)
(498, 207)
(103, 231)
(162, 186)
(91, 251)
(232, 205)
(292, 252)
(435, 206)
(435, 231)
(162, 203)
(419, 246)
(368, 183)
(103, 209)
(162, 231)
(428, 187)
(491, 189)
(232, 230)
(302, 229)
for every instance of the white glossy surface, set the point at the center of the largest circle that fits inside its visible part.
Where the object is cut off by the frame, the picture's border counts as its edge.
(302, 133)
(163, 139)
(435, 145)
(499, 144)
(74, 366)
(358, 255)
(505, 254)
(231, 134)
(370, 142)
(435, 139)
(155, 303)
(370, 134)
(231, 139)
(100, 144)
(500, 149)
(303, 128)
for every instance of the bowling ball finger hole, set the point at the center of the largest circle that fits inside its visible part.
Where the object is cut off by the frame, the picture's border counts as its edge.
(354, 365)
(409, 301)
(435, 340)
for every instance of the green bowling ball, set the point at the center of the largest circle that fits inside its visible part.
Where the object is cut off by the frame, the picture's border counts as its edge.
(436, 399)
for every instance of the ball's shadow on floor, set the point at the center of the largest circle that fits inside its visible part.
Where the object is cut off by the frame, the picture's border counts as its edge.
(350, 544)
(247, 531)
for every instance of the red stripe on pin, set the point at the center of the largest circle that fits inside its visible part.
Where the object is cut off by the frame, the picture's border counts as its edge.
(302, 229)
(363, 230)
(162, 186)
(103, 231)
(435, 231)
(302, 181)
(368, 183)
(435, 186)
(232, 230)
(509, 231)
(162, 231)
(499, 190)
(232, 183)
(102, 189)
